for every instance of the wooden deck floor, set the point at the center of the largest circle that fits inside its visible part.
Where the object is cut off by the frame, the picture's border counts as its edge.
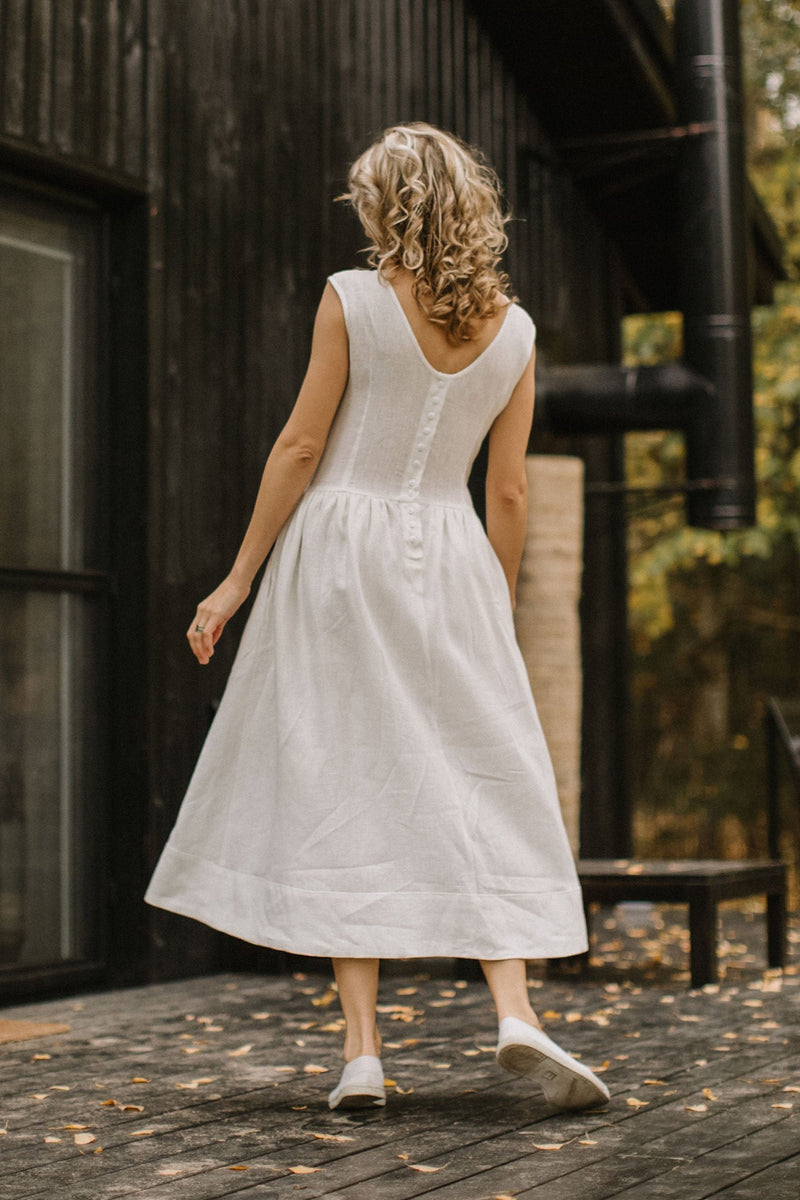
(217, 1087)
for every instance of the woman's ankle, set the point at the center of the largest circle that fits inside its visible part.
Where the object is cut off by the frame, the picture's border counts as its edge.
(357, 1044)
(522, 1013)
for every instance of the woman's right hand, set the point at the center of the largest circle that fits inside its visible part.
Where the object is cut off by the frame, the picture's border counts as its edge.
(212, 615)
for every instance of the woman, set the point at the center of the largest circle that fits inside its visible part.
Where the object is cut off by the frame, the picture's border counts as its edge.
(375, 782)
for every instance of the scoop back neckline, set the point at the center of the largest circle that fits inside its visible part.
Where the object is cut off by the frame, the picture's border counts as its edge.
(421, 352)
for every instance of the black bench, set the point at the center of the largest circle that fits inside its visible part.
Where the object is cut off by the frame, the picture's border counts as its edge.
(701, 884)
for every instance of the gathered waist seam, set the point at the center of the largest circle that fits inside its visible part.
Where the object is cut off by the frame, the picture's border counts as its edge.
(418, 501)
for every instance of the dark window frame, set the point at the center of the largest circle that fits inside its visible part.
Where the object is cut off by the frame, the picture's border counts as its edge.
(120, 205)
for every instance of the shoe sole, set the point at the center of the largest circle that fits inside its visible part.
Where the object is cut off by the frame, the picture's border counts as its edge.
(563, 1086)
(360, 1098)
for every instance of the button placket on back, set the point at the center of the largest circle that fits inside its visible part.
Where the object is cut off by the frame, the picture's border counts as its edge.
(415, 467)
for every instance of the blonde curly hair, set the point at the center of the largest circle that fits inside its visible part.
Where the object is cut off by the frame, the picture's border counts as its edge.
(431, 204)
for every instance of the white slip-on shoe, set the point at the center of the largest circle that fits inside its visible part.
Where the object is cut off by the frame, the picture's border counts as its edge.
(566, 1083)
(361, 1084)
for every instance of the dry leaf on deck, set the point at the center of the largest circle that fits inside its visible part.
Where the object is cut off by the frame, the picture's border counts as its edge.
(59, 1087)
(142, 1132)
(656, 1082)
(240, 1051)
(315, 1069)
(304, 1170)
(333, 1137)
(791, 1088)
(334, 1027)
(195, 1083)
(139, 1079)
(259, 1016)
(709, 1095)
(325, 999)
(426, 1170)
(782, 1106)
(47, 1139)
(70, 1127)
(238, 1167)
(40, 1057)
(587, 1141)
(549, 1145)
(700, 1108)
(83, 1139)
(635, 1102)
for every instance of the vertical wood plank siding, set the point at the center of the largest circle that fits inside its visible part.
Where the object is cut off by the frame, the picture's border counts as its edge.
(241, 118)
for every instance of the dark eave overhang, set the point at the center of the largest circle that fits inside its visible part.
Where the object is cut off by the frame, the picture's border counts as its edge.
(599, 75)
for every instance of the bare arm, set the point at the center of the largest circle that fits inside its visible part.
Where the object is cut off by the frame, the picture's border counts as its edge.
(290, 466)
(506, 482)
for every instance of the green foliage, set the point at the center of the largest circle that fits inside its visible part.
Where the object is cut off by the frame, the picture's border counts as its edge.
(715, 617)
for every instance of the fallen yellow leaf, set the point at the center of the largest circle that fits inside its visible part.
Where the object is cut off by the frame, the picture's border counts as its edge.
(404, 1091)
(240, 1051)
(49, 1139)
(782, 1106)
(139, 1079)
(325, 999)
(549, 1145)
(426, 1170)
(406, 991)
(74, 1127)
(332, 1137)
(195, 1083)
(587, 1141)
(83, 1139)
(40, 1057)
(259, 1016)
(698, 1108)
(635, 1102)
(238, 1167)
(333, 1027)
(304, 1170)
(130, 1107)
(315, 1069)
(142, 1132)
(709, 1095)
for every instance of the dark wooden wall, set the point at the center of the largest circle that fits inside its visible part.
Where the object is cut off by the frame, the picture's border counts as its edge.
(240, 119)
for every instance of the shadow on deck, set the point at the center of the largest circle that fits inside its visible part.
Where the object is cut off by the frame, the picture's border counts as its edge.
(217, 1087)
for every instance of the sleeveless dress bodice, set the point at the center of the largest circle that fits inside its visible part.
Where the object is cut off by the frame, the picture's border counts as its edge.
(375, 781)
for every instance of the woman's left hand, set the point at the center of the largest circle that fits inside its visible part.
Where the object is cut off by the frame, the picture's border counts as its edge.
(212, 615)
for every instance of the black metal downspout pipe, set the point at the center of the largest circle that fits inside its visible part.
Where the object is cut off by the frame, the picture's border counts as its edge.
(713, 247)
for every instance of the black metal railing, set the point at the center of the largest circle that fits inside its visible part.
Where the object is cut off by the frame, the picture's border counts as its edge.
(780, 718)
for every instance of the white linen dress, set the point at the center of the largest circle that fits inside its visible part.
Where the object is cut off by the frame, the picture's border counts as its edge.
(375, 782)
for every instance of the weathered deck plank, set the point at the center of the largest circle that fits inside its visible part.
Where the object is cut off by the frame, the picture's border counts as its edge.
(698, 1083)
